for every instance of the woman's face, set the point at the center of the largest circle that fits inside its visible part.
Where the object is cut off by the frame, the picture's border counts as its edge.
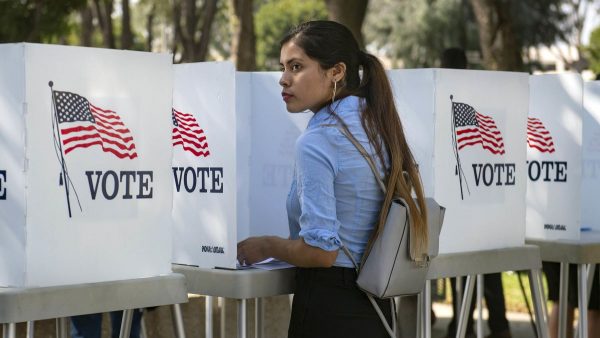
(305, 84)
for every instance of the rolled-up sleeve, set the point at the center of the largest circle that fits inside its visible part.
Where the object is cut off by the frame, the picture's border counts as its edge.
(316, 168)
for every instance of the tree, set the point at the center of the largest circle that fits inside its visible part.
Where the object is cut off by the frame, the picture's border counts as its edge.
(87, 25)
(497, 37)
(36, 20)
(126, 34)
(192, 28)
(592, 51)
(274, 19)
(103, 10)
(500, 31)
(350, 13)
(243, 45)
(416, 32)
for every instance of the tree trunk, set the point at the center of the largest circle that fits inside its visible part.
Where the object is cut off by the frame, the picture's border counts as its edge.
(126, 34)
(497, 38)
(104, 11)
(210, 9)
(34, 31)
(350, 13)
(177, 36)
(191, 24)
(243, 47)
(87, 26)
(149, 26)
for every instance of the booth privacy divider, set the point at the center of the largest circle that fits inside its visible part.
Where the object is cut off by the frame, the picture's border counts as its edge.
(85, 186)
(204, 164)
(590, 179)
(467, 132)
(554, 135)
(239, 189)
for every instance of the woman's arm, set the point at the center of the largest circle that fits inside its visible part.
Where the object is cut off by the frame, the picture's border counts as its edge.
(293, 251)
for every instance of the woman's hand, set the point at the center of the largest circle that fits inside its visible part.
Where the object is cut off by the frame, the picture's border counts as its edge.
(293, 251)
(252, 250)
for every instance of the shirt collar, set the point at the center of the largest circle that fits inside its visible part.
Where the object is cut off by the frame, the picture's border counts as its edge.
(344, 108)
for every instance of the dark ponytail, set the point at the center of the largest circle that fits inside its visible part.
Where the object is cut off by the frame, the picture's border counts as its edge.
(330, 43)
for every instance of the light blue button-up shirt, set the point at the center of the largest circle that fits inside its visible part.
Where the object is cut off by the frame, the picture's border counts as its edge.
(334, 196)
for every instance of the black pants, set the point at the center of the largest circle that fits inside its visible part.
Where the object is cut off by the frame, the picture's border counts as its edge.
(494, 300)
(327, 303)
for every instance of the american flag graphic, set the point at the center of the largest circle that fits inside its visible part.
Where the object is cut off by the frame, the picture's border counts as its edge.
(83, 125)
(538, 137)
(188, 134)
(473, 128)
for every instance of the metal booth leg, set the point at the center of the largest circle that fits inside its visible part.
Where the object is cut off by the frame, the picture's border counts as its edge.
(563, 299)
(9, 330)
(583, 311)
(126, 323)
(241, 318)
(427, 310)
(143, 329)
(539, 303)
(178, 320)
(479, 306)
(420, 320)
(465, 307)
(208, 306)
(62, 325)
(591, 269)
(221, 304)
(30, 329)
(258, 318)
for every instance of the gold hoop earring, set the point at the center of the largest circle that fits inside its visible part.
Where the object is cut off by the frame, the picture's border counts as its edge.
(334, 91)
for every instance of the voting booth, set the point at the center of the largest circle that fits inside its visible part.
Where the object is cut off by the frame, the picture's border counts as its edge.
(590, 168)
(554, 140)
(204, 164)
(85, 189)
(247, 147)
(466, 130)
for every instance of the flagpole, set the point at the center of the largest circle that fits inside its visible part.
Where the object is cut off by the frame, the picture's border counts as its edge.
(62, 159)
(454, 142)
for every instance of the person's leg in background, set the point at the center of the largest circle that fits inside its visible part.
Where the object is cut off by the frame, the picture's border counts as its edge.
(494, 300)
(594, 306)
(86, 326)
(117, 316)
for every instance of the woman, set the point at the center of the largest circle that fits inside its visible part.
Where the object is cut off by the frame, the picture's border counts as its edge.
(335, 199)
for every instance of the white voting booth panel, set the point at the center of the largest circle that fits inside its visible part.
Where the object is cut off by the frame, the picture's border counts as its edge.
(590, 180)
(251, 139)
(554, 136)
(84, 177)
(267, 135)
(467, 130)
(204, 171)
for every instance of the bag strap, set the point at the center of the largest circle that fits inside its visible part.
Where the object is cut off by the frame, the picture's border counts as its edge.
(344, 130)
(390, 330)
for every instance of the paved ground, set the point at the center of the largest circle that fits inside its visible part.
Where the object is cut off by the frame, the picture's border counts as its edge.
(519, 322)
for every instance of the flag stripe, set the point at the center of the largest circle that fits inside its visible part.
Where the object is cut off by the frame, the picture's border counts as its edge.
(472, 128)
(193, 142)
(104, 148)
(83, 125)
(538, 137)
(188, 134)
(192, 150)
